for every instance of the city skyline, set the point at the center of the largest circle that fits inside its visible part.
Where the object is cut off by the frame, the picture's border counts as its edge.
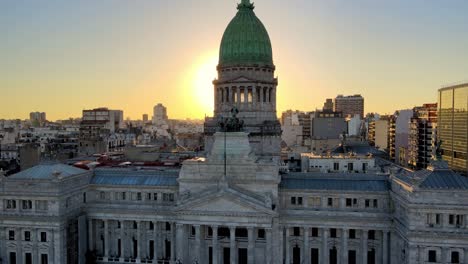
(61, 58)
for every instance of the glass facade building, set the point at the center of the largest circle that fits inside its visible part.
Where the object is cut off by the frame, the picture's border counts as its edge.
(453, 126)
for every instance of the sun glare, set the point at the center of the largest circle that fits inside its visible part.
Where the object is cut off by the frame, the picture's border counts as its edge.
(204, 74)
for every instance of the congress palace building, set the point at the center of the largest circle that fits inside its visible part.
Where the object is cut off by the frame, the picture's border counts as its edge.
(234, 206)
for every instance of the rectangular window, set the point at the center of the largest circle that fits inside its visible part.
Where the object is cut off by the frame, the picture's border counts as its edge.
(349, 202)
(124, 195)
(139, 196)
(371, 234)
(350, 166)
(432, 256)
(367, 203)
(375, 203)
(155, 196)
(333, 232)
(43, 236)
(336, 166)
(27, 204)
(44, 259)
(352, 233)
(296, 231)
(27, 236)
(261, 233)
(299, 200)
(314, 232)
(459, 220)
(151, 226)
(11, 235)
(293, 200)
(102, 195)
(11, 204)
(455, 257)
(451, 219)
(148, 196)
(437, 220)
(330, 202)
(27, 258)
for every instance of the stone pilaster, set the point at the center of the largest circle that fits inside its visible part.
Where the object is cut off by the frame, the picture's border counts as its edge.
(385, 247)
(251, 246)
(268, 250)
(106, 239)
(364, 249)
(324, 246)
(90, 235)
(198, 238)
(122, 240)
(156, 239)
(179, 242)
(232, 244)
(288, 247)
(139, 241)
(306, 245)
(344, 245)
(215, 243)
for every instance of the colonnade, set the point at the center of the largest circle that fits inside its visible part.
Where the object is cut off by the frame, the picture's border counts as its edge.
(245, 96)
(325, 243)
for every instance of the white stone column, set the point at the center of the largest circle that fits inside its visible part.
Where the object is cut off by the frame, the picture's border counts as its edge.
(179, 242)
(122, 240)
(268, 250)
(251, 246)
(106, 239)
(156, 239)
(344, 245)
(90, 235)
(35, 238)
(173, 239)
(246, 96)
(288, 247)
(325, 246)
(232, 244)
(385, 247)
(198, 243)
(364, 245)
(443, 255)
(139, 238)
(306, 246)
(215, 244)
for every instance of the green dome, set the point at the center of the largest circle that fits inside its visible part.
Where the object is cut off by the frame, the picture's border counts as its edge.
(245, 40)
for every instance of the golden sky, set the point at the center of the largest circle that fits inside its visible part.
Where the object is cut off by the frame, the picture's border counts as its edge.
(61, 57)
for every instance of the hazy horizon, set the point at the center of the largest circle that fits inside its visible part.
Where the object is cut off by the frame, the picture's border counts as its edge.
(62, 57)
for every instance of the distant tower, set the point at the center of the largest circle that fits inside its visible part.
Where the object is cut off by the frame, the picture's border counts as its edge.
(159, 115)
(246, 81)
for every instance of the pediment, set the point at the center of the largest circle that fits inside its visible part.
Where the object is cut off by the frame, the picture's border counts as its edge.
(228, 202)
(241, 79)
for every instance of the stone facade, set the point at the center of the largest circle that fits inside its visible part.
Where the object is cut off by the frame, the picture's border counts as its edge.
(232, 207)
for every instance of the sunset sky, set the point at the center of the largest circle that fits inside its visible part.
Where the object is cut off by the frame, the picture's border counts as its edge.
(61, 57)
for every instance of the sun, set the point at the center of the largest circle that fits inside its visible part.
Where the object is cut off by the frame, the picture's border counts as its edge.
(203, 76)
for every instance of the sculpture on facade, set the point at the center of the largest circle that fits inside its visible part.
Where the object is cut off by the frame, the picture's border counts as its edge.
(233, 123)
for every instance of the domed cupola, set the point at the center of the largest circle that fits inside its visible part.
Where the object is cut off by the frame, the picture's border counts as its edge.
(245, 40)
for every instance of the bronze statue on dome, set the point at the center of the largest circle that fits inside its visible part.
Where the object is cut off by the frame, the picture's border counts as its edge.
(233, 123)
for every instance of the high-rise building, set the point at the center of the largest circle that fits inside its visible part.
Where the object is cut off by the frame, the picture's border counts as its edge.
(328, 125)
(328, 105)
(423, 126)
(160, 115)
(37, 118)
(349, 105)
(145, 117)
(402, 132)
(452, 127)
(246, 81)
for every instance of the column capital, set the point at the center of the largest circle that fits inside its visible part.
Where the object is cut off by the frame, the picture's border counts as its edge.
(179, 225)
